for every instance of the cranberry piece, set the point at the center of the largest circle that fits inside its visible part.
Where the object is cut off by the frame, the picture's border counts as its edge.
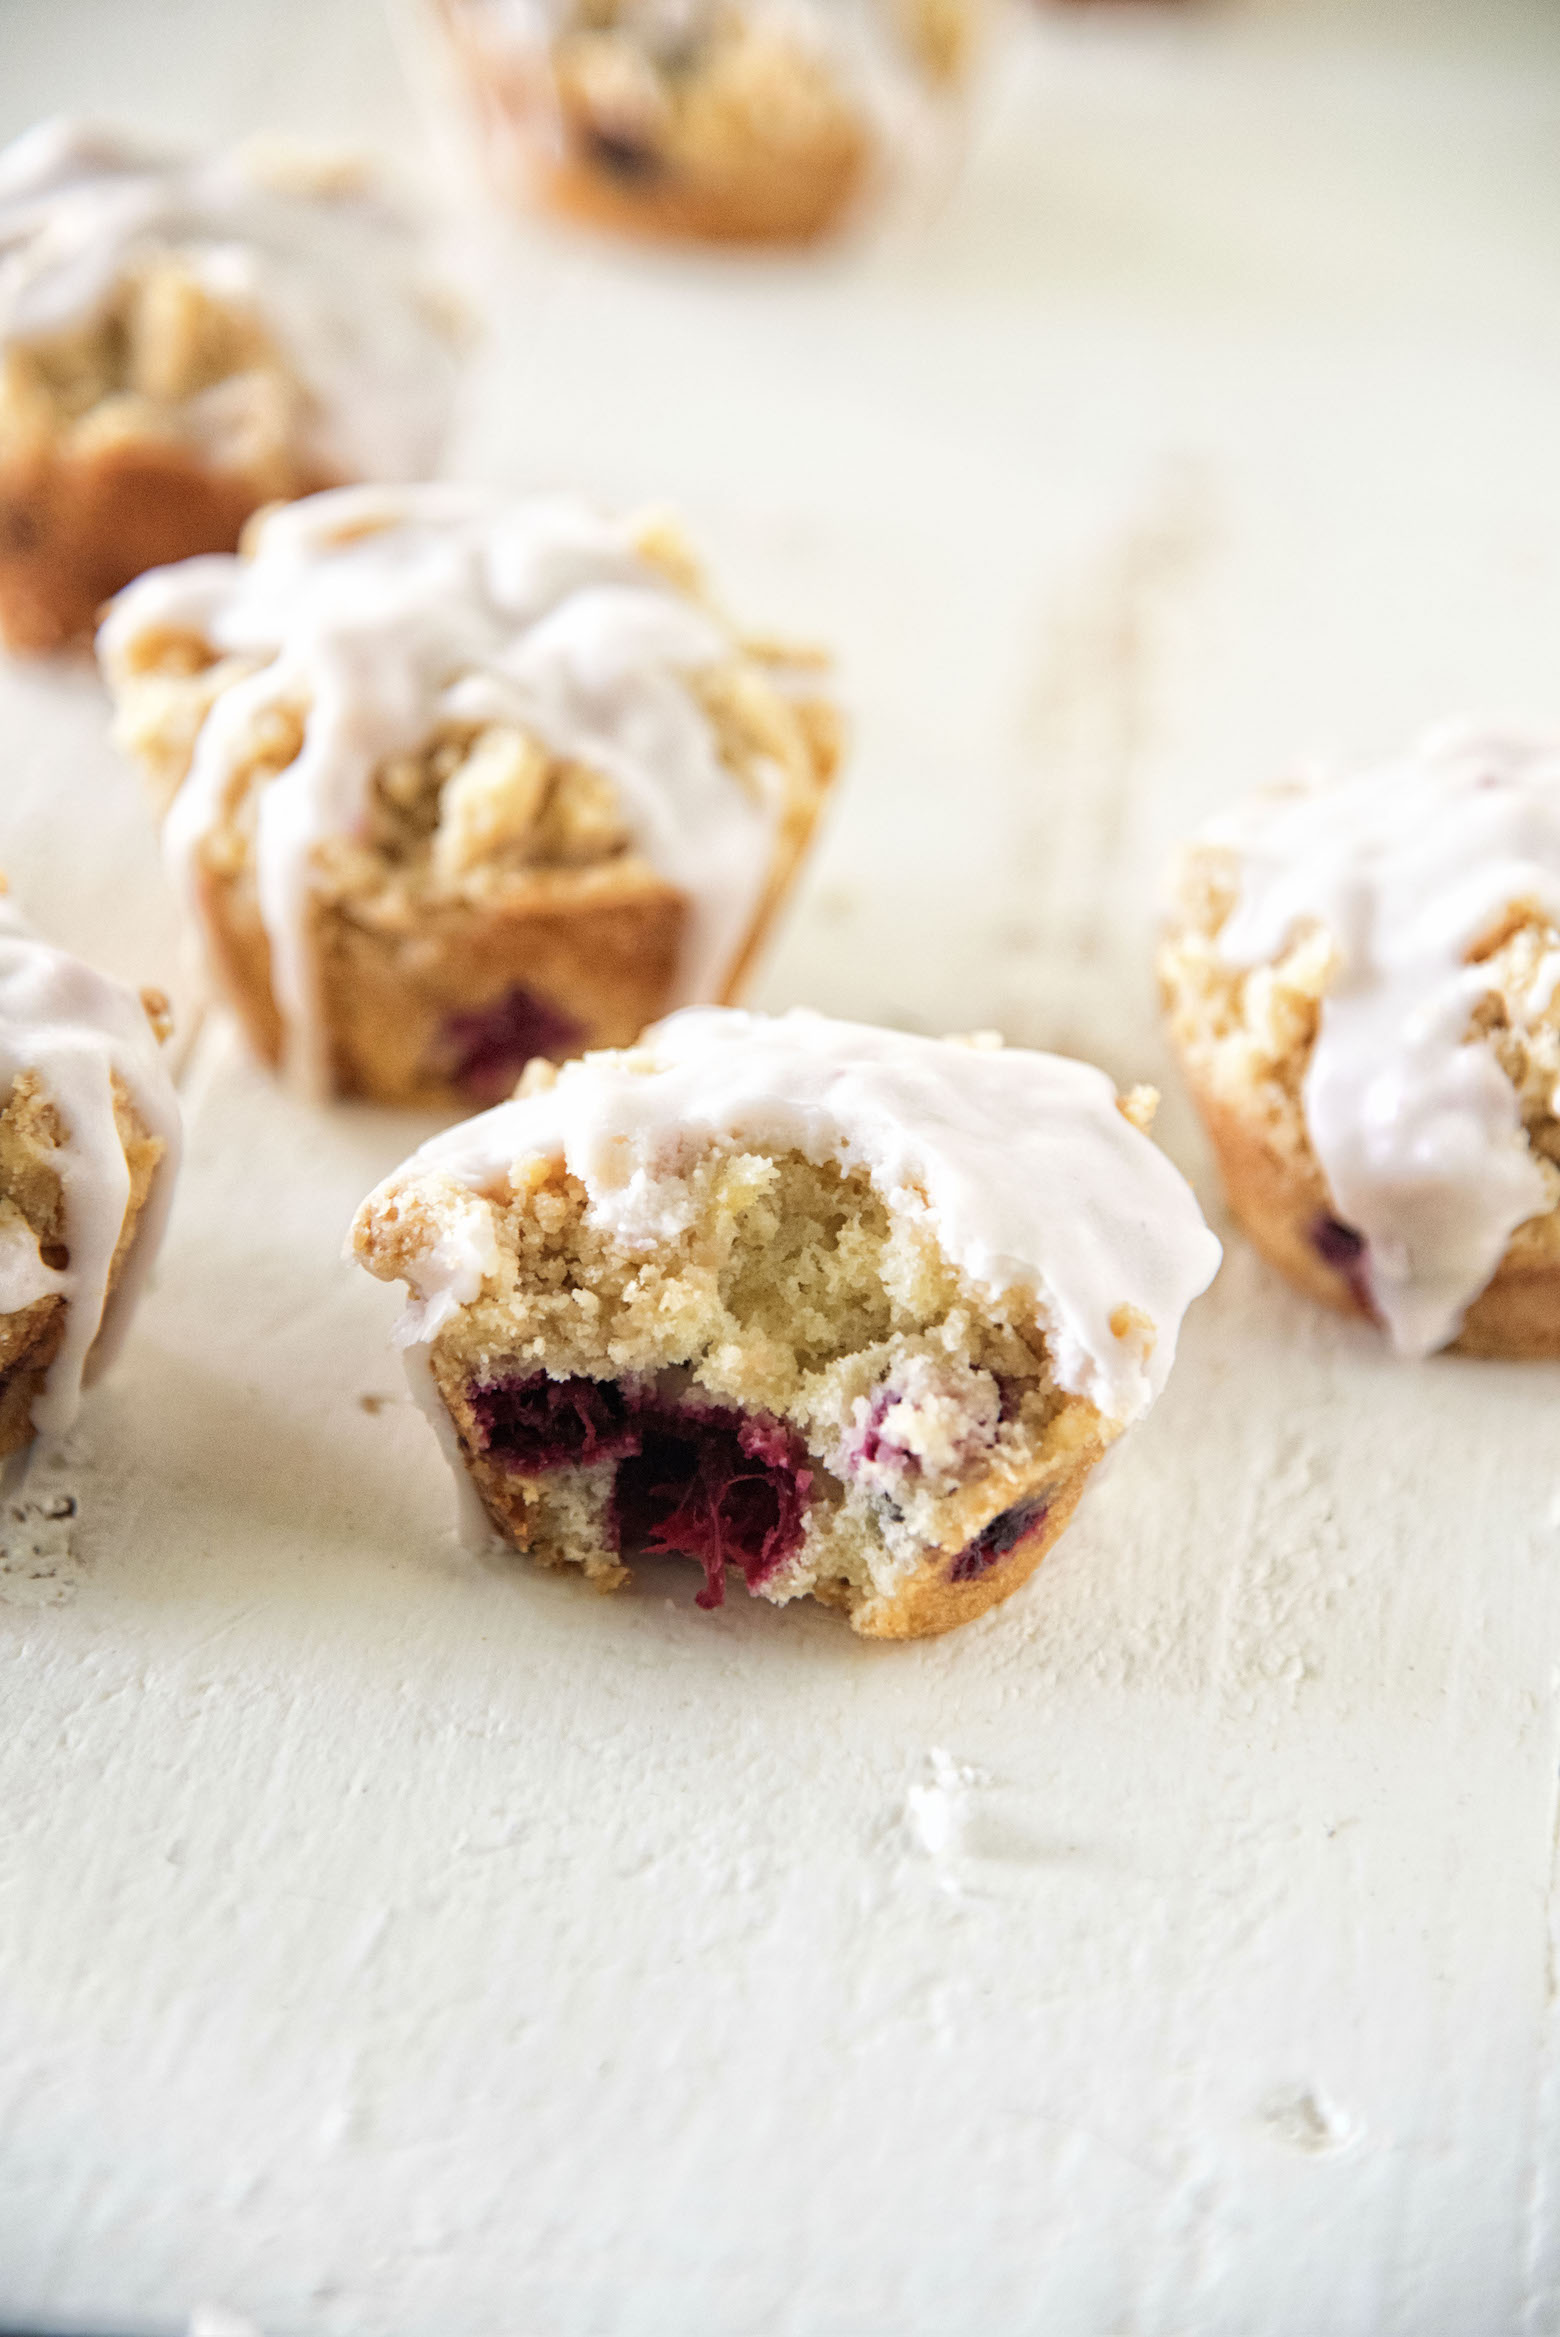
(703, 1481)
(1346, 1252)
(485, 1051)
(716, 1485)
(622, 158)
(995, 1540)
(1338, 1243)
(1010, 1396)
(539, 1423)
(871, 1446)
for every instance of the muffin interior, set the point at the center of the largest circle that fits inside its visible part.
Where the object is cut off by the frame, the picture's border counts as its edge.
(798, 1384)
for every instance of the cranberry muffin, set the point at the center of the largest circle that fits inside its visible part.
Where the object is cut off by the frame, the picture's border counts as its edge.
(452, 780)
(849, 1312)
(1362, 980)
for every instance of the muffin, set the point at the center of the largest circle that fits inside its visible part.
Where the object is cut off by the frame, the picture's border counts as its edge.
(453, 780)
(852, 1312)
(89, 1147)
(731, 121)
(1362, 980)
(183, 339)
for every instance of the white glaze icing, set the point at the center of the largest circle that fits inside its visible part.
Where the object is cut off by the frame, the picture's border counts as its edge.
(336, 279)
(76, 1029)
(24, 1278)
(390, 612)
(1029, 1172)
(1408, 867)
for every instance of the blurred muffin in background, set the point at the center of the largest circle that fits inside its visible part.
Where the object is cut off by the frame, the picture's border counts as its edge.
(727, 121)
(184, 338)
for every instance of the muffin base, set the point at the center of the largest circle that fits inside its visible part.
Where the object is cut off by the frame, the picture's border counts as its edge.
(76, 528)
(29, 1342)
(439, 1005)
(1283, 1205)
(404, 1002)
(952, 1585)
(30, 1338)
(791, 206)
(929, 1602)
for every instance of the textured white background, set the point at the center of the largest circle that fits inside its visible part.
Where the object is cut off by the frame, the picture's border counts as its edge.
(391, 1947)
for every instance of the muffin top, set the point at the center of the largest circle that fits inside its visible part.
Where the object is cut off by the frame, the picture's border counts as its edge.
(327, 266)
(1028, 1169)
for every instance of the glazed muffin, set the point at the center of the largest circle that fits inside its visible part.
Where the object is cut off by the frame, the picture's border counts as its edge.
(452, 781)
(184, 339)
(1362, 979)
(734, 121)
(851, 1312)
(89, 1147)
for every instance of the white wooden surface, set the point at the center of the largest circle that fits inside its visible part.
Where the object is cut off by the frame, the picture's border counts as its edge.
(395, 1948)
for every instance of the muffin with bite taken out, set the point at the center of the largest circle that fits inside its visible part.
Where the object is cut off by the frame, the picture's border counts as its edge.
(847, 1313)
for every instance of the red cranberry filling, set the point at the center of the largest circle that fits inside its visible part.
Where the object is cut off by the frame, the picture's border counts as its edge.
(717, 1486)
(1339, 1246)
(541, 1423)
(996, 1540)
(701, 1481)
(872, 1445)
(485, 1051)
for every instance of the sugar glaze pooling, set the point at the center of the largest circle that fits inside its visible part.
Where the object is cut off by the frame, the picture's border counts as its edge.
(387, 613)
(1407, 868)
(77, 1029)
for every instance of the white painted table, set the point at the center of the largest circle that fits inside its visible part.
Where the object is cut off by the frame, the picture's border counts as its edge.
(397, 1948)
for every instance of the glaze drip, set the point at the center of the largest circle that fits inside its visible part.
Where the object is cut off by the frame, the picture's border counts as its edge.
(1408, 869)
